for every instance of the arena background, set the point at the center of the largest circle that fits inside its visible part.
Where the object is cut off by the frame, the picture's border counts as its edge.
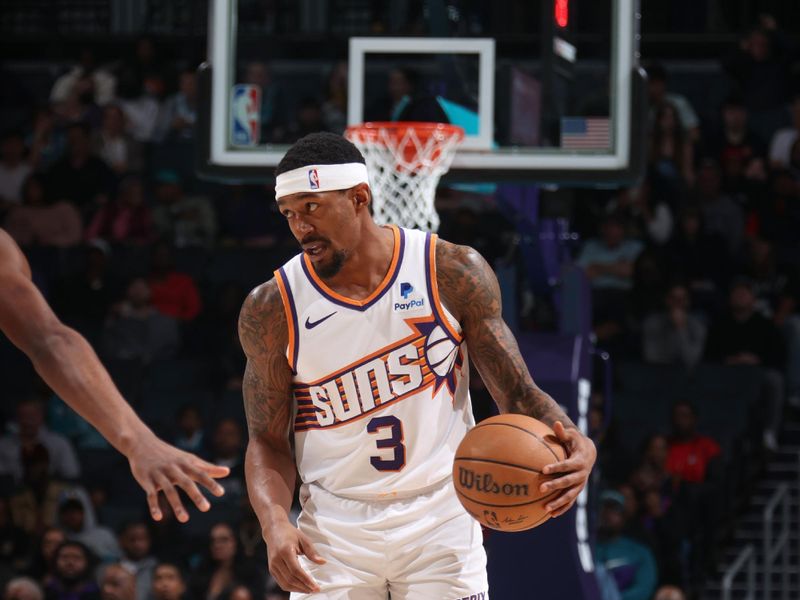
(665, 291)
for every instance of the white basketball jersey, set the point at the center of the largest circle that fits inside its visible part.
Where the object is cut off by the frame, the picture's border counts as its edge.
(380, 384)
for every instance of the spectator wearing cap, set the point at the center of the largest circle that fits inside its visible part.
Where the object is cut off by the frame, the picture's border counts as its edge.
(126, 220)
(28, 431)
(179, 113)
(38, 221)
(722, 215)
(744, 337)
(630, 563)
(690, 454)
(74, 565)
(183, 220)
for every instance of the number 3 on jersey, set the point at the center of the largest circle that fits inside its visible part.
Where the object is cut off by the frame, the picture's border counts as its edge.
(394, 441)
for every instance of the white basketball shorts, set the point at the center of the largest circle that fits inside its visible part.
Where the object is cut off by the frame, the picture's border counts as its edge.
(420, 548)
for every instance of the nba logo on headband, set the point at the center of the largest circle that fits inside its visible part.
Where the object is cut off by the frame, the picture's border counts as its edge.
(313, 179)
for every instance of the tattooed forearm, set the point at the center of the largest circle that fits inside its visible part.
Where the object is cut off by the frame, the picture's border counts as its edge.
(469, 289)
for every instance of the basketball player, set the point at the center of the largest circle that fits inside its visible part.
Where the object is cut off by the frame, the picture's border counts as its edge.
(67, 363)
(359, 346)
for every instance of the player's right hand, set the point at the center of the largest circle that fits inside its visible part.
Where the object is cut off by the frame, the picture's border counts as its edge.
(284, 543)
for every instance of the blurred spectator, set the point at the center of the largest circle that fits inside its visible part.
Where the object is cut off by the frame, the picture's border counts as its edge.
(190, 435)
(14, 541)
(745, 337)
(143, 109)
(248, 216)
(227, 450)
(401, 87)
(274, 111)
(14, 169)
(760, 67)
(741, 153)
(690, 454)
(26, 432)
(83, 299)
(647, 208)
(240, 592)
(674, 336)
(173, 294)
(185, 220)
(80, 177)
(126, 220)
(658, 95)
(117, 583)
(630, 563)
(137, 330)
(169, 582)
(721, 215)
(34, 504)
(334, 108)
(669, 592)
(115, 146)
(671, 153)
(47, 140)
(307, 120)
(85, 79)
(652, 474)
(224, 568)
(23, 588)
(39, 222)
(43, 561)
(608, 262)
(780, 146)
(179, 113)
(135, 542)
(145, 59)
(698, 257)
(171, 543)
(79, 526)
(73, 570)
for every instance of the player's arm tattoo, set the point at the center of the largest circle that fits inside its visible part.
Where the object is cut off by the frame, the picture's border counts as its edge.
(266, 387)
(468, 288)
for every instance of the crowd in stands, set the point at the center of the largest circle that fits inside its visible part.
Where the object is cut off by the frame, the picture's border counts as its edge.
(696, 265)
(694, 271)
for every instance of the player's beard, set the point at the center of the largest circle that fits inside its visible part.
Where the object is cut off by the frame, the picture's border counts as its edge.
(330, 268)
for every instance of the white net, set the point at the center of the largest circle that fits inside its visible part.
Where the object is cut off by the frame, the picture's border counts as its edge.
(405, 162)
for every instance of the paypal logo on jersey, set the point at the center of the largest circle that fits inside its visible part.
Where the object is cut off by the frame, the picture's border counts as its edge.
(406, 290)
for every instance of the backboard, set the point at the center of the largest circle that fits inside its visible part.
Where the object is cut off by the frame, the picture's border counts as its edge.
(546, 90)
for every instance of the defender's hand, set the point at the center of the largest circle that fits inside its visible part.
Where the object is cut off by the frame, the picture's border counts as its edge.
(575, 469)
(284, 543)
(157, 466)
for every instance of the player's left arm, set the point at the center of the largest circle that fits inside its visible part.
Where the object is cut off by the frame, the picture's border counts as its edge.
(468, 288)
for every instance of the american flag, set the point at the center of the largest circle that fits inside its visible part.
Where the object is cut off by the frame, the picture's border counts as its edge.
(581, 133)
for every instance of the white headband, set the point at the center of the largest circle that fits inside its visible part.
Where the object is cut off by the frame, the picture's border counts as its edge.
(320, 178)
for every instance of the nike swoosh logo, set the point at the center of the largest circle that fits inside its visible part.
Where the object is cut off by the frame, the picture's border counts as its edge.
(311, 324)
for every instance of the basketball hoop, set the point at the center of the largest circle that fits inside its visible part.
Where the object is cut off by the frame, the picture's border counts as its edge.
(405, 161)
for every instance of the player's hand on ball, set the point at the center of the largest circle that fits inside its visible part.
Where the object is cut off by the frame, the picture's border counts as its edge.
(284, 543)
(157, 466)
(572, 473)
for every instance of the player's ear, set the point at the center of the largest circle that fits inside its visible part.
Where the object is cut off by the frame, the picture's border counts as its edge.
(362, 196)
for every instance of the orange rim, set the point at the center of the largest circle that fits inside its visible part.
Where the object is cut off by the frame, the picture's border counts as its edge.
(369, 131)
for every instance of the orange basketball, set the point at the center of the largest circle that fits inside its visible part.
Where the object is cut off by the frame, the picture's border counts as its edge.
(498, 469)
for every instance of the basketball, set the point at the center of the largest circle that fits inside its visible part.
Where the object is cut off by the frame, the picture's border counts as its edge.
(497, 471)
